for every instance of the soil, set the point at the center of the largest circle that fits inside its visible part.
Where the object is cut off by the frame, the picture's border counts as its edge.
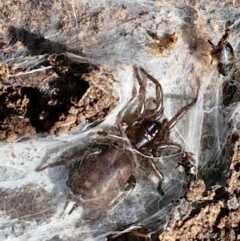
(211, 215)
(56, 97)
(43, 93)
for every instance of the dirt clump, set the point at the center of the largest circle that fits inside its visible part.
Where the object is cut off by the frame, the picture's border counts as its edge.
(56, 96)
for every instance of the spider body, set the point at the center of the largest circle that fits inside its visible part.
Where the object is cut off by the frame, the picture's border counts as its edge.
(98, 176)
(149, 133)
(143, 133)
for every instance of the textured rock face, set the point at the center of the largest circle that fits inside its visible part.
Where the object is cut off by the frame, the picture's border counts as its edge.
(67, 64)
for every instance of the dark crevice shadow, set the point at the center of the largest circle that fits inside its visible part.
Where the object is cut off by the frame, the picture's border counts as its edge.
(46, 102)
(36, 43)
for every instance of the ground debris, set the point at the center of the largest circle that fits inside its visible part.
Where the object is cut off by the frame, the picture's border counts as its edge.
(211, 215)
(55, 97)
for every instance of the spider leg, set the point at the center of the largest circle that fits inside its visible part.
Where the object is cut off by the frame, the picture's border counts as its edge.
(222, 41)
(151, 163)
(141, 234)
(159, 94)
(142, 91)
(130, 185)
(210, 42)
(180, 114)
(224, 38)
(54, 164)
(73, 208)
(75, 205)
(133, 230)
(153, 166)
(120, 115)
(166, 145)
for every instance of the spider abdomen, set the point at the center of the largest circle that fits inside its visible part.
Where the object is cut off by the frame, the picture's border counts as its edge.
(99, 178)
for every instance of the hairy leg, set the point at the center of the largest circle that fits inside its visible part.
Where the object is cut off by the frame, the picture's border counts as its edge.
(159, 94)
(180, 114)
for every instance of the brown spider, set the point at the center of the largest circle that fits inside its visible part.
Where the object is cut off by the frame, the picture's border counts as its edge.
(97, 175)
(223, 53)
(148, 134)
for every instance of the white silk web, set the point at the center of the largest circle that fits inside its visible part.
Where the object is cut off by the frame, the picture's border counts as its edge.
(32, 203)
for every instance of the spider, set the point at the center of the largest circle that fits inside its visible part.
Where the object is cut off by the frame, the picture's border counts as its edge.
(102, 171)
(223, 53)
(148, 134)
